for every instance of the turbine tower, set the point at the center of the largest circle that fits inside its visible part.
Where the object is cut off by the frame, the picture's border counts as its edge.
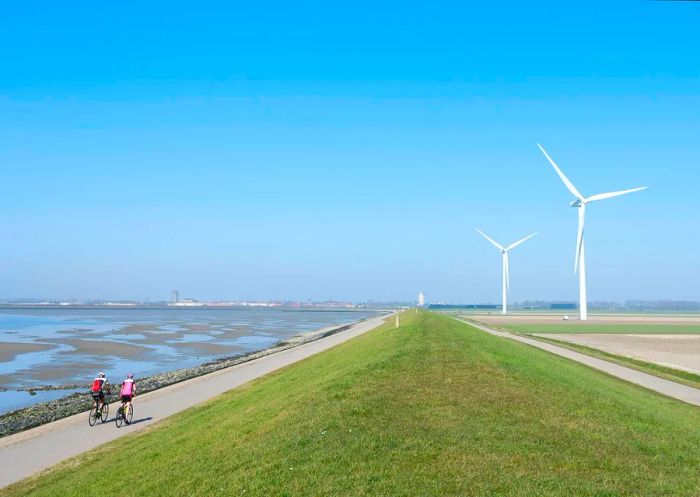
(580, 203)
(504, 254)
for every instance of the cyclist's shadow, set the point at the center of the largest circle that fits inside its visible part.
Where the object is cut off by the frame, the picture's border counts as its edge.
(137, 421)
(134, 422)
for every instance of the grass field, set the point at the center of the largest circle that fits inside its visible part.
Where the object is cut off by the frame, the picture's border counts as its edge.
(677, 375)
(578, 327)
(435, 408)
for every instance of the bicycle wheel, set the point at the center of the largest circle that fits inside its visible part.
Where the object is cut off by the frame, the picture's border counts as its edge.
(92, 416)
(120, 417)
(105, 412)
(130, 415)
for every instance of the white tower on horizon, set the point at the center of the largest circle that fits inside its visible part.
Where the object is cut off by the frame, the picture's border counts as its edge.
(580, 203)
(506, 269)
(421, 299)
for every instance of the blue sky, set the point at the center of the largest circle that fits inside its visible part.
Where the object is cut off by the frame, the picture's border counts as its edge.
(346, 150)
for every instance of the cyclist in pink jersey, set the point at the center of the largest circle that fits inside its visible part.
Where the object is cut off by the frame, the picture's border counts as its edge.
(128, 391)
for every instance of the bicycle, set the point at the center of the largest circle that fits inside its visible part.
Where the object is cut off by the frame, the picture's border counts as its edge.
(124, 417)
(99, 411)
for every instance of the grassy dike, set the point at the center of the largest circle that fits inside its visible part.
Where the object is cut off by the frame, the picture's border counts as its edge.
(435, 408)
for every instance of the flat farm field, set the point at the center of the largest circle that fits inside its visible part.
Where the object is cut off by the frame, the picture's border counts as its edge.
(665, 345)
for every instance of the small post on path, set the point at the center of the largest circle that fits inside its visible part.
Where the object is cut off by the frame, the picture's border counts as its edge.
(398, 322)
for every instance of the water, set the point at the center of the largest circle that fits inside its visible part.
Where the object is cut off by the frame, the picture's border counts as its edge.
(12, 399)
(81, 342)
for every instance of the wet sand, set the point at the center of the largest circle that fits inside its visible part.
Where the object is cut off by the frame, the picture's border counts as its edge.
(208, 348)
(102, 348)
(199, 327)
(73, 345)
(164, 338)
(135, 328)
(10, 350)
(23, 454)
(675, 351)
(54, 373)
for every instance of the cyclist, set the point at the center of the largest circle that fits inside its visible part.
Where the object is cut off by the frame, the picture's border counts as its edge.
(99, 385)
(127, 392)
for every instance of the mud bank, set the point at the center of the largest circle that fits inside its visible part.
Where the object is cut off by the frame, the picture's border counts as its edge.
(38, 414)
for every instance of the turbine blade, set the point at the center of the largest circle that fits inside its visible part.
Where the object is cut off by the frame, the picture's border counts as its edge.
(563, 177)
(493, 242)
(602, 196)
(579, 237)
(513, 245)
(507, 270)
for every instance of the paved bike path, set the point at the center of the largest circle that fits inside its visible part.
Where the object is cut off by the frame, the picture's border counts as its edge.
(29, 452)
(666, 387)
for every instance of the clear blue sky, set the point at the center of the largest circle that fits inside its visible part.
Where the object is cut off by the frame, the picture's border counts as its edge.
(346, 150)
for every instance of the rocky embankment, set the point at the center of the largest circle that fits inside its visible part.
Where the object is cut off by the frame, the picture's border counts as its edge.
(38, 414)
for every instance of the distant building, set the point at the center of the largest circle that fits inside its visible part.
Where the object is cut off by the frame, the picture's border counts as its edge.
(175, 296)
(466, 306)
(187, 303)
(421, 299)
(564, 306)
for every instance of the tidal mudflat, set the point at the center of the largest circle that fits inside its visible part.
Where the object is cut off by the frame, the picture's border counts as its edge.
(67, 347)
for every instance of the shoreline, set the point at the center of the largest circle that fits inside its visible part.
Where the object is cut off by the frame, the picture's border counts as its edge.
(31, 451)
(45, 412)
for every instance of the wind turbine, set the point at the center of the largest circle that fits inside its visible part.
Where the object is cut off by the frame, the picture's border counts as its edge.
(504, 254)
(580, 203)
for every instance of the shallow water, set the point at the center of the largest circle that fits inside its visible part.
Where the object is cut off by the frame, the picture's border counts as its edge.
(142, 341)
(13, 399)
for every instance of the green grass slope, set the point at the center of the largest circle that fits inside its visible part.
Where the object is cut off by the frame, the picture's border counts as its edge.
(435, 408)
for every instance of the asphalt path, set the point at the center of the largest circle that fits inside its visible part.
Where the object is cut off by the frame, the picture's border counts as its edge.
(29, 452)
(666, 387)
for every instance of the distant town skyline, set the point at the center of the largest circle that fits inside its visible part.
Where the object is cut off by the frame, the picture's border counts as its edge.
(346, 151)
(596, 305)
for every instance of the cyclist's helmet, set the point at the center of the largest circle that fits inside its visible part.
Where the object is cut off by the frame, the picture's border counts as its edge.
(102, 374)
(130, 375)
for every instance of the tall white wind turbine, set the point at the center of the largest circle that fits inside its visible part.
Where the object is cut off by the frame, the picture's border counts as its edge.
(504, 255)
(580, 203)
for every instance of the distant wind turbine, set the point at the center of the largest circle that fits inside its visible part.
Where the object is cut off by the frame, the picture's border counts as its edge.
(580, 202)
(504, 254)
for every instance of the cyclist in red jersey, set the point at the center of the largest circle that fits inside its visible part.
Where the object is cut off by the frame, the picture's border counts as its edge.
(99, 385)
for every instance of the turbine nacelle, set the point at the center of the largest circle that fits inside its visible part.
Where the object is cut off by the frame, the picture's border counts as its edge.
(577, 203)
